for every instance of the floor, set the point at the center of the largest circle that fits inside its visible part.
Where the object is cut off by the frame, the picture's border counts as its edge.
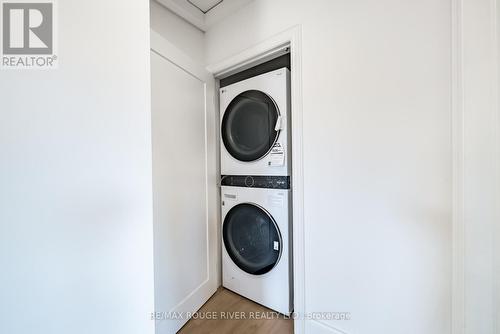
(224, 307)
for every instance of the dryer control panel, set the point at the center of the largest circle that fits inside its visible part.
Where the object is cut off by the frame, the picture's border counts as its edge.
(256, 181)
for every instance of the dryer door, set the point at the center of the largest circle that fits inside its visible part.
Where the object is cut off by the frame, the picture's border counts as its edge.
(252, 238)
(250, 125)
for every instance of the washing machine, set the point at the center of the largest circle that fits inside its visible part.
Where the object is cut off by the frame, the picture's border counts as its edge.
(257, 240)
(255, 125)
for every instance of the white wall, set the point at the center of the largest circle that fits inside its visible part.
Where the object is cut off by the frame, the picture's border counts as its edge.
(177, 31)
(75, 174)
(377, 155)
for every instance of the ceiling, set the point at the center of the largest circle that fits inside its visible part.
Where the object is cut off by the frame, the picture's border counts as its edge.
(203, 13)
(205, 5)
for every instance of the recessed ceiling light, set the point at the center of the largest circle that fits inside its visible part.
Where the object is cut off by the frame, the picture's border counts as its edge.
(205, 5)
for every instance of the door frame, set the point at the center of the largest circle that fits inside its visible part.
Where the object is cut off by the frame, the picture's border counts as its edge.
(172, 54)
(466, 78)
(260, 52)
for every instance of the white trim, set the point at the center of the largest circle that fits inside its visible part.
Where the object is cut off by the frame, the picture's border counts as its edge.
(218, 201)
(458, 224)
(292, 37)
(459, 302)
(496, 124)
(261, 58)
(255, 52)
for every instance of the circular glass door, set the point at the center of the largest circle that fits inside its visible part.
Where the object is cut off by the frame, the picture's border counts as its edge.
(248, 125)
(251, 238)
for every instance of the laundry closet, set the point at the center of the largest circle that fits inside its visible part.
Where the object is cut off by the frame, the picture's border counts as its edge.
(223, 200)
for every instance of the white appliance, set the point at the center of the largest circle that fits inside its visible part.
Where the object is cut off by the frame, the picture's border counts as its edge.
(257, 247)
(255, 125)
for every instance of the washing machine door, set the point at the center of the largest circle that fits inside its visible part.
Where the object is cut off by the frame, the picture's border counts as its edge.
(252, 238)
(250, 125)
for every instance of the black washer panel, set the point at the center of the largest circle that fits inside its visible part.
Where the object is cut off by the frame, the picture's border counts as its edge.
(257, 181)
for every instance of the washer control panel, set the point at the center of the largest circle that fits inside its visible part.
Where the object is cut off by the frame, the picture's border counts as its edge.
(257, 181)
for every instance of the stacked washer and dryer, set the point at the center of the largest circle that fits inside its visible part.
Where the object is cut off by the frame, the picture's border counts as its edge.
(255, 189)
